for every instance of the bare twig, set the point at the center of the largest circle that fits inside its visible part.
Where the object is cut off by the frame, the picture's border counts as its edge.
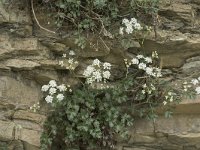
(103, 29)
(104, 44)
(38, 21)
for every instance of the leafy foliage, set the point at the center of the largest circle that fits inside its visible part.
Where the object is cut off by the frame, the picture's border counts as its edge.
(92, 118)
(88, 117)
(97, 16)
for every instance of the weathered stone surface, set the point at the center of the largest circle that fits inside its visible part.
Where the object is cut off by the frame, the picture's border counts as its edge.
(178, 11)
(144, 126)
(173, 53)
(28, 124)
(185, 139)
(27, 44)
(190, 106)
(129, 148)
(16, 145)
(56, 47)
(28, 146)
(11, 12)
(18, 46)
(25, 115)
(19, 64)
(178, 124)
(51, 64)
(17, 93)
(6, 130)
(30, 136)
(139, 138)
(44, 76)
(191, 66)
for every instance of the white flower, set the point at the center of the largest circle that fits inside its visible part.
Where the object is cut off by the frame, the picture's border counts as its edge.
(153, 87)
(60, 97)
(171, 99)
(97, 76)
(125, 21)
(149, 92)
(164, 102)
(71, 53)
(49, 99)
(157, 72)
(135, 61)
(106, 74)
(90, 80)
(148, 59)
(194, 81)
(137, 26)
(88, 71)
(61, 63)
(71, 60)
(62, 88)
(142, 66)
(149, 70)
(96, 62)
(140, 56)
(106, 66)
(169, 93)
(155, 54)
(133, 21)
(121, 30)
(129, 29)
(143, 92)
(64, 55)
(52, 83)
(145, 85)
(199, 78)
(45, 88)
(52, 91)
(197, 90)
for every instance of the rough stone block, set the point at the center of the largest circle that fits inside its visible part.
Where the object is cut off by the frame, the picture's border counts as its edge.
(6, 130)
(18, 93)
(25, 115)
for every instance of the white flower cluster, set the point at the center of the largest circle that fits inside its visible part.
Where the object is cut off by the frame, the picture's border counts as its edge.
(55, 91)
(148, 89)
(169, 97)
(130, 26)
(144, 63)
(97, 72)
(35, 107)
(154, 54)
(71, 63)
(196, 84)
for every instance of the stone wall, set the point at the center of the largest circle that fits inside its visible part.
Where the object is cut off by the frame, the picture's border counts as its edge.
(29, 58)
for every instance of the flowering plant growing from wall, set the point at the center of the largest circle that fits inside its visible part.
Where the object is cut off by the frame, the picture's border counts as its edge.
(88, 117)
(91, 116)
